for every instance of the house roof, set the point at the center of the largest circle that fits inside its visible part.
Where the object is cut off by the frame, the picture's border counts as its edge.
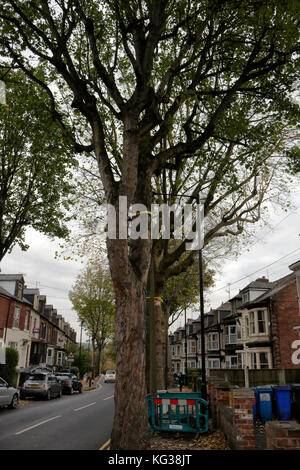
(237, 296)
(276, 287)
(10, 277)
(260, 283)
(225, 306)
(6, 293)
(295, 266)
(29, 290)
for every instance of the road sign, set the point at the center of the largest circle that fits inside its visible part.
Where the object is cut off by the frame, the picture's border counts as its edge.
(70, 357)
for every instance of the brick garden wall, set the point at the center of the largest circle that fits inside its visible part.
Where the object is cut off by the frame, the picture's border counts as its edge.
(283, 435)
(232, 411)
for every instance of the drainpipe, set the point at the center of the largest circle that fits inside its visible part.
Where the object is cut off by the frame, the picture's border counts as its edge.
(271, 331)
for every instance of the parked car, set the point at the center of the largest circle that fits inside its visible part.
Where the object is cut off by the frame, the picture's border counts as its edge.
(45, 385)
(9, 396)
(110, 376)
(69, 382)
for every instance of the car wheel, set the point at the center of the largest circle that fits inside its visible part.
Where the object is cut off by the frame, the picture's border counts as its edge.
(71, 391)
(14, 402)
(80, 390)
(59, 394)
(48, 396)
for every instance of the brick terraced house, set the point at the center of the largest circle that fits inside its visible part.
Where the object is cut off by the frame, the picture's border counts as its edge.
(31, 326)
(259, 328)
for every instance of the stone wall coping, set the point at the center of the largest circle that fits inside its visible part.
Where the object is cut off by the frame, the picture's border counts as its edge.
(283, 425)
(242, 393)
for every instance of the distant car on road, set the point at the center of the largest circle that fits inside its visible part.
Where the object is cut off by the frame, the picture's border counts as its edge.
(43, 384)
(9, 396)
(69, 382)
(110, 376)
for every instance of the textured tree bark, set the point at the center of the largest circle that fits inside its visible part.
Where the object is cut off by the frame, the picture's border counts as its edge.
(130, 429)
(151, 370)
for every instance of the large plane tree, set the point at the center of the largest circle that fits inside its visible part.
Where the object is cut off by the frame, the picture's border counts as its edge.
(128, 69)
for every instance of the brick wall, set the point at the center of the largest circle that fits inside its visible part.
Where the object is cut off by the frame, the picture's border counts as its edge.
(282, 435)
(4, 304)
(285, 315)
(232, 411)
(242, 406)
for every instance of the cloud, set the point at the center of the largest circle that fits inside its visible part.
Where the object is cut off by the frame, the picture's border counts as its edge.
(53, 277)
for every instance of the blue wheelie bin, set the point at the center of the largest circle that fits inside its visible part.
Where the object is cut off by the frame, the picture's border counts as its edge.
(283, 402)
(263, 398)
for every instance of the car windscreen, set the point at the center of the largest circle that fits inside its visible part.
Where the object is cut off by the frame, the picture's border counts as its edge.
(38, 377)
(63, 377)
(110, 372)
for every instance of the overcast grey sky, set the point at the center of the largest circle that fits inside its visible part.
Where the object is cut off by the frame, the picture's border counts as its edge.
(55, 277)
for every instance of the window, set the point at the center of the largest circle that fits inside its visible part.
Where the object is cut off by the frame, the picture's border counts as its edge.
(17, 313)
(231, 362)
(214, 363)
(253, 363)
(263, 360)
(19, 290)
(252, 323)
(60, 358)
(261, 321)
(246, 297)
(213, 341)
(230, 334)
(240, 360)
(238, 330)
(27, 320)
(192, 347)
(13, 345)
(247, 326)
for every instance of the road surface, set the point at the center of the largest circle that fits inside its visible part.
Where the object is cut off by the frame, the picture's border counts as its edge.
(77, 422)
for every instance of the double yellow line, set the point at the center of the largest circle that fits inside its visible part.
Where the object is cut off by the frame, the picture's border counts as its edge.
(105, 446)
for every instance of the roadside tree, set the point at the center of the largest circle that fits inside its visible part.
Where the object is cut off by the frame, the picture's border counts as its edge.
(130, 69)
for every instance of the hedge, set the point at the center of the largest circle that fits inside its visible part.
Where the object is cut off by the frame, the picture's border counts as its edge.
(8, 371)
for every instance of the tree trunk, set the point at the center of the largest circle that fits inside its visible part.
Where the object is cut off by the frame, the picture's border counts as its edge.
(130, 428)
(151, 369)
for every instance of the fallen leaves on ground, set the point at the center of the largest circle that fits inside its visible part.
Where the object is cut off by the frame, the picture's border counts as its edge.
(175, 441)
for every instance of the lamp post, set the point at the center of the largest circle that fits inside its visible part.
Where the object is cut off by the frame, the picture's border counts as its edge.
(185, 347)
(203, 378)
(80, 348)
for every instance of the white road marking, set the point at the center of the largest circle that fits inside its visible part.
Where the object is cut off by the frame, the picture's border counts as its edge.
(107, 398)
(77, 409)
(38, 424)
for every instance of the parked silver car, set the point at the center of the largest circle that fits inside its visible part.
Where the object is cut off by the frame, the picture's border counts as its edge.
(43, 385)
(9, 396)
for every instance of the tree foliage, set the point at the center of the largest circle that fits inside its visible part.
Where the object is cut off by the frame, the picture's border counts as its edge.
(93, 299)
(35, 166)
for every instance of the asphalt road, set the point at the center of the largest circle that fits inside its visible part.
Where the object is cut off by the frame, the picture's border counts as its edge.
(77, 422)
